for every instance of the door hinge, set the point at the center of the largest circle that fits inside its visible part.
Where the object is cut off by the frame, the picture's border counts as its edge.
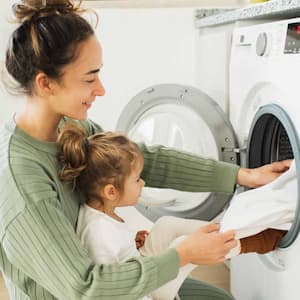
(235, 150)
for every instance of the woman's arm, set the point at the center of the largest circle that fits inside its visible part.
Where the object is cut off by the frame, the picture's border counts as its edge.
(169, 168)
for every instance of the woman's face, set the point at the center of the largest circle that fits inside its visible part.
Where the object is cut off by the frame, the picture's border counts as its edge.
(80, 83)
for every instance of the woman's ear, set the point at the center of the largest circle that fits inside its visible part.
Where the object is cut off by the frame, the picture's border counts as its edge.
(42, 84)
(110, 192)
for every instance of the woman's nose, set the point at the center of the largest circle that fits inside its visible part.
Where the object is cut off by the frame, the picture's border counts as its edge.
(143, 182)
(99, 89)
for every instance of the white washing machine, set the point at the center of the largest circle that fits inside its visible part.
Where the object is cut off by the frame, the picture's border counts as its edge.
(265, 113)
(188, 119)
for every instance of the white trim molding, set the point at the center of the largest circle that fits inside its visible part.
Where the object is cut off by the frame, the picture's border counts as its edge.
(207, 4)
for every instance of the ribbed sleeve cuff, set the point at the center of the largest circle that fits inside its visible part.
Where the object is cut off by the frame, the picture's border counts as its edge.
(225, 176)
(167, 266)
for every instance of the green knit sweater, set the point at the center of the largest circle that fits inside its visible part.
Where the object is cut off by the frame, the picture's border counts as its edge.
(40, 255)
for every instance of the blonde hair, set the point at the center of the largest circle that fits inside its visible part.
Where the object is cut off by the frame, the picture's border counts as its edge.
(92, 162)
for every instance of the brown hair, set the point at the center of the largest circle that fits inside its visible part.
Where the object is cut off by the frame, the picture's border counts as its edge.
(49, 34)
(92, 162)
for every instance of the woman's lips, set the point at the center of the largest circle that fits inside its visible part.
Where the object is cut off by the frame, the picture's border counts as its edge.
(87, 104)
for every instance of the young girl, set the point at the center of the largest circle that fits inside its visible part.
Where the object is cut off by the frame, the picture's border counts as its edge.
(54, 59)
(107, 167)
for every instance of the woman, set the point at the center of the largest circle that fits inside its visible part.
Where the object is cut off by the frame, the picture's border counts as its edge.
(55, 59)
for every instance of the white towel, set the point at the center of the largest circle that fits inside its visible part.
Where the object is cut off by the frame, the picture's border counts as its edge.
(270, 206)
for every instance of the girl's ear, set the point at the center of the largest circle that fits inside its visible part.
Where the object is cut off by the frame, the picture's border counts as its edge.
(110, 192)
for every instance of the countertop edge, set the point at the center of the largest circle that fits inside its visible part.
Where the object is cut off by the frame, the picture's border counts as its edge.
(272, 9)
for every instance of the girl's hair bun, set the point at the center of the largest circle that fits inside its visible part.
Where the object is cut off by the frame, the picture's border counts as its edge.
(26, 10)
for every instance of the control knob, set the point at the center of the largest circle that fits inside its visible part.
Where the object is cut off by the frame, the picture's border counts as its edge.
(262, 44)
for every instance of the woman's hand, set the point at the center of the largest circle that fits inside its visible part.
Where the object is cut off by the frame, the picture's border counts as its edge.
(260, 176)
(206, 246)
(140, 238)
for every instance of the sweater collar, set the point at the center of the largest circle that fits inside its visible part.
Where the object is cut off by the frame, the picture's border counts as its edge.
(49, 147)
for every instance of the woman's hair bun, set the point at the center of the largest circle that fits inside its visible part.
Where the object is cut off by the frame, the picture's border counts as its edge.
(26, 10)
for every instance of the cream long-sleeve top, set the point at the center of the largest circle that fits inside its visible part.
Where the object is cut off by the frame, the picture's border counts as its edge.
(107, 240)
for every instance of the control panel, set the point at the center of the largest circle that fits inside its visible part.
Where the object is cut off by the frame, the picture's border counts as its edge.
(270, 40)
(292, 42)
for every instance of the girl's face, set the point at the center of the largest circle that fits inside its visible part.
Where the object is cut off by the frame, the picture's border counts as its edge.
(80, 83)
(133, 186)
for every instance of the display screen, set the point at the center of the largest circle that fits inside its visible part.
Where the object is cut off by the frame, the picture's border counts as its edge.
(292, 42)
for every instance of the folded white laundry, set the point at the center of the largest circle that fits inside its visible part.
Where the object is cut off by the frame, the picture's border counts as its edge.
(270, 206)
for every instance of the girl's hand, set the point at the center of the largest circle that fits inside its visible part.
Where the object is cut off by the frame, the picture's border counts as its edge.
(140, 238)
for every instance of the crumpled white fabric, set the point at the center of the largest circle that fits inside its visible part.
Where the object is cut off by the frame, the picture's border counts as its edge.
(270, 206)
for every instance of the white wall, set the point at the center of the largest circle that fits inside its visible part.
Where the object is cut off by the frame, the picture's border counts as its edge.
(8, 103)
(5, 26)
(142, 47)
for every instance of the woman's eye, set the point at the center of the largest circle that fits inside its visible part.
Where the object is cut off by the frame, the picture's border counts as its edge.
(90, 81)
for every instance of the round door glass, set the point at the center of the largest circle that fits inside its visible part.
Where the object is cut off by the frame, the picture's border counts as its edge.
(179, 127)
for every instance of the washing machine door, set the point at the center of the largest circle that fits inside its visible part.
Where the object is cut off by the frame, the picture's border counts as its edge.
(187, 119)
(274, 137)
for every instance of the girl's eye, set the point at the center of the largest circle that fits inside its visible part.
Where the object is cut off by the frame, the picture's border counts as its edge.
(90, 81)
